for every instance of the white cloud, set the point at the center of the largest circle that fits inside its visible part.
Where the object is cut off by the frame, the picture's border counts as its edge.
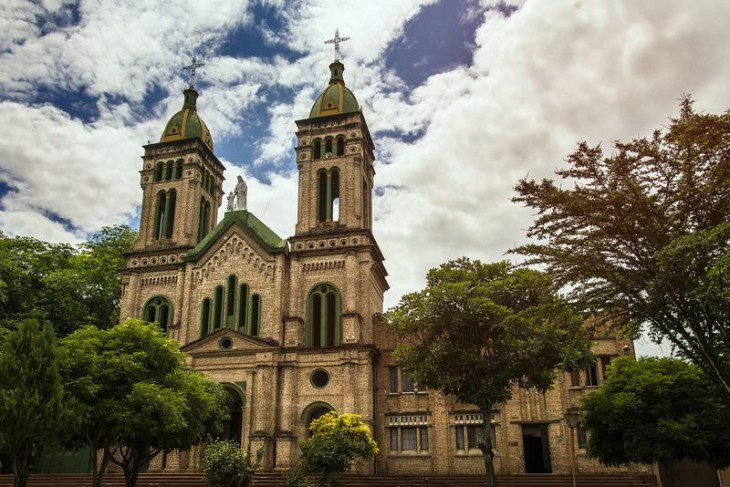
(550, 75)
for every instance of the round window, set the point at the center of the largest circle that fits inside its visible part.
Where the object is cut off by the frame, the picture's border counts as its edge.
(225, 343)
(319, 378)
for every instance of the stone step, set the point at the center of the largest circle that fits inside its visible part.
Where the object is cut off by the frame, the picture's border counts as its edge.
(278, 479)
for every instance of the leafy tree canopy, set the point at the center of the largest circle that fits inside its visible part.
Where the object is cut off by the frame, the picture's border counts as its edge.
(136, 397)
(226, 465)
(478, 330)
(642, 235)
(657, 410)
(337, 440)
(34, 411)
(62, 284)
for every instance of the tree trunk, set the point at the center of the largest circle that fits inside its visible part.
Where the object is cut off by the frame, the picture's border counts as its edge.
(131, 469)
(666, 472)
(98, 470)
(20, 468)
(486, 445)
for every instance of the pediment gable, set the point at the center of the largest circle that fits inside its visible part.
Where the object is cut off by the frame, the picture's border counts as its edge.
(229, 340)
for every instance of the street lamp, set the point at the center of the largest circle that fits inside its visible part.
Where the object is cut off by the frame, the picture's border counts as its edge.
(571, 418)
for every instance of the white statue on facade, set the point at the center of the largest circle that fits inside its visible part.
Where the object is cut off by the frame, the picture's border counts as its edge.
(231, 201)
(241, 191)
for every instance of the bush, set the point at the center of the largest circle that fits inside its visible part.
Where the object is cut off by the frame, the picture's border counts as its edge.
(225, 464)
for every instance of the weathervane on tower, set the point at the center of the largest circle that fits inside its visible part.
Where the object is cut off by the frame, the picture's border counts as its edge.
(192, 67)
(336, 41)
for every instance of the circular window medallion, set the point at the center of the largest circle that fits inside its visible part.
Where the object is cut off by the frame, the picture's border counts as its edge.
(225, 343)
(319, 378)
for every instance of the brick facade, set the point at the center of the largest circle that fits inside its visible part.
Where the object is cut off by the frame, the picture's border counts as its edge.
(283, 367)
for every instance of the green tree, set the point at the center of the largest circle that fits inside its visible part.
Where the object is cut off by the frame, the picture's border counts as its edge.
(508, 327)
(25, 265)
(34, 411)
(657, 410)
(337, 440)
(98, 266)
(66, 286)
(642, 235)
(225, 464)
(136, 397)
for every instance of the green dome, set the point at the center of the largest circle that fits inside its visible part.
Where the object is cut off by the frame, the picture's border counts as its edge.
(336, 98)
(187, 124)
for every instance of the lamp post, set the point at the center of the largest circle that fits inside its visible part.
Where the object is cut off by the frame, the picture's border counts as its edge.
(571, 418)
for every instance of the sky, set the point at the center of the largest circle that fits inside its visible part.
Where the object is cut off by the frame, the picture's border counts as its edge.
(462, 97)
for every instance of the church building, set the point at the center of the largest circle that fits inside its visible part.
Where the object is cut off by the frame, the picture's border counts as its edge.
(291, 326)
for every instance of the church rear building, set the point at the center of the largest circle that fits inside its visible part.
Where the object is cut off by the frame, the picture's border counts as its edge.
(291, 326)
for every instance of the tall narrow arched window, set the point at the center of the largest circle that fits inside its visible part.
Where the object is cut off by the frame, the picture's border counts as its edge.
(168, 170)
(230, 301)
(323, 317)
(334, 210)
(316, 149)
(340, 146)
(158, 310)
(322, 195)
(255, 315)
(218, 307)
(205, 317)
(365, 205)
(242, 307)
(159, 168)
(170, 212)
(178, 168)
(160, 214)
(203, 218)
(328, 146)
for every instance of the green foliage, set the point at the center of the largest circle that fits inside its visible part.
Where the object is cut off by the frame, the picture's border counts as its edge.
(225, 464)
(34, 411)
(508, 327)
(296, 478)
(337, 440)
(642, 235)
(57, 283)
(657, 410)
(136, 397)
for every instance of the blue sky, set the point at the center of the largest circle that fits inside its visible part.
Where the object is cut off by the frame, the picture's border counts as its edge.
(462, 97)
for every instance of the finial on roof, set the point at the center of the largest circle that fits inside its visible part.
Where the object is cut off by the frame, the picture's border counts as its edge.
(192, 67)
(336, 41)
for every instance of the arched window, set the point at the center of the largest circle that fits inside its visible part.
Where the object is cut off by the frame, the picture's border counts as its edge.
(158, 171)
(158, 310)
(205, 317)
(340, 146)
(170, 212)
(334, 210)
(328, 146)
(178, 168)
(323, 317)
(316, 149)
(242, 307)
(218, 307)
(203, 218)
(328, 195)
(165, 214)
(233, 426)
(168, 171)
(365, 205)
(255, 315)
(231, 301)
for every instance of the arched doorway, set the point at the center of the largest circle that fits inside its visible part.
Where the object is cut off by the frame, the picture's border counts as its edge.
(314, 411)
(233, 427)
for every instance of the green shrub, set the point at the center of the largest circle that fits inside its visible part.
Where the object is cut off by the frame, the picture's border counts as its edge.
(225, 464)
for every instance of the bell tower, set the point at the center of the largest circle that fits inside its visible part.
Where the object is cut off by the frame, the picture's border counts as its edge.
(181, 179)
(337, 267)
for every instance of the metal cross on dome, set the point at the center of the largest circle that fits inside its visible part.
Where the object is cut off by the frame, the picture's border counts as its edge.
(192, 67)
(336, 41)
